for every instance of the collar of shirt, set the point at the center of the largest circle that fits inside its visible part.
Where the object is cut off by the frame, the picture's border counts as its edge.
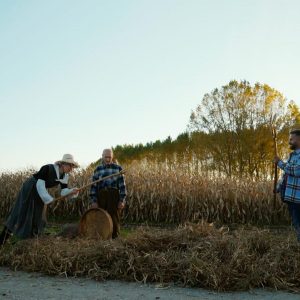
(64, 178)
(107, 166)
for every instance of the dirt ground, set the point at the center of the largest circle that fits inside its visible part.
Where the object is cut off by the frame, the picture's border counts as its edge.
(23, 286)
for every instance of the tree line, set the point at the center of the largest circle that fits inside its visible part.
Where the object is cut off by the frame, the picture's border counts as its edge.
(229, 134)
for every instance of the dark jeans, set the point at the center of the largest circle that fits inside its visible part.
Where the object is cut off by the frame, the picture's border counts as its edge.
(294, 209)
(108, 199)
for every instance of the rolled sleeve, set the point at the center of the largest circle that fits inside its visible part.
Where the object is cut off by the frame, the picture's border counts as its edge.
(42, 191)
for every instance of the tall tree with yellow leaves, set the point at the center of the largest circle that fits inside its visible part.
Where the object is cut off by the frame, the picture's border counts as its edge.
(237, 119)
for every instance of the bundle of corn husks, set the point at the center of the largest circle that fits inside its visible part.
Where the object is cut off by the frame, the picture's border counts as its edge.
(197, 255)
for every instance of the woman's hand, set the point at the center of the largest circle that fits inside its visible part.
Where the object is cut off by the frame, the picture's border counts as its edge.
(75, 191)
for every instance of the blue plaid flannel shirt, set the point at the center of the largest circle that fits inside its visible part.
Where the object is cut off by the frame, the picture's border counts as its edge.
(117, 182)
(291, 170)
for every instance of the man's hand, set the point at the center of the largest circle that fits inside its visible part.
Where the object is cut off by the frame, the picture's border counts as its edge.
(276, 160)
(121, 205)
(94, 205)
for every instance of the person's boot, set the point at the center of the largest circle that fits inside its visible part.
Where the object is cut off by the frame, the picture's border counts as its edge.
(4, 236)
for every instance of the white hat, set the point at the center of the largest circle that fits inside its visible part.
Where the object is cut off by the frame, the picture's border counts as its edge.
(68, 158)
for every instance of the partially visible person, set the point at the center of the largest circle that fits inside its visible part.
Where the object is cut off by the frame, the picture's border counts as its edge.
(109, 194)
(289, 184)
(26, 217)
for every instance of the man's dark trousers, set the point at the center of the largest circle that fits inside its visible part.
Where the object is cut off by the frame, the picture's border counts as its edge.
(294, 210)
(108, 199)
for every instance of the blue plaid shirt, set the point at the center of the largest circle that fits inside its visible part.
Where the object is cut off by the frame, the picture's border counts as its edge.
(117, 182)
(291, 170)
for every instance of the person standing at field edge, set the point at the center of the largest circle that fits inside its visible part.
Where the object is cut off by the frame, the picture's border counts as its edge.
(26, 217)
(109, 194)
(289, 184)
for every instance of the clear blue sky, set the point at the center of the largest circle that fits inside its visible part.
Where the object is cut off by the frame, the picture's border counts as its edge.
(80, 76)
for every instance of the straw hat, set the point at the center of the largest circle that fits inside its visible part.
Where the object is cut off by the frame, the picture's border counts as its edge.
(68, 158)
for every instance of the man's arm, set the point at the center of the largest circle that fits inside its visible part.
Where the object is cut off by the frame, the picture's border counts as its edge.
(93, 190)
(122, 188)
(290, 168)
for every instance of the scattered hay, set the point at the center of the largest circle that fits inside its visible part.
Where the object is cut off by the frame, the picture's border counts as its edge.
(198, 255)
(70, 230)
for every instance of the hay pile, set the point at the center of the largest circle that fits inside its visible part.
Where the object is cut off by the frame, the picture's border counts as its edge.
(194, 255)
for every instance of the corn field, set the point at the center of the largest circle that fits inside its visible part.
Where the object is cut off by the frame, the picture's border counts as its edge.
(161, 193)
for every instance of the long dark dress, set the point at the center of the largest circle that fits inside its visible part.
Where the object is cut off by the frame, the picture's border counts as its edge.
(25, 219)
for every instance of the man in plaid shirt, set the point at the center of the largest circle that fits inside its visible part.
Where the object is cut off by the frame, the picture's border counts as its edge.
(289, 185)
(109, 194)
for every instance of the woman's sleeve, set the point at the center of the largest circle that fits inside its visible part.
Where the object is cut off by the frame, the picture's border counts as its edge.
(64, 188)
(42, 177)
(42, 191)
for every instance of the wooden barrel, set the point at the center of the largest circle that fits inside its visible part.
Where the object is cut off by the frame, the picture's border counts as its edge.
(96, 223)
